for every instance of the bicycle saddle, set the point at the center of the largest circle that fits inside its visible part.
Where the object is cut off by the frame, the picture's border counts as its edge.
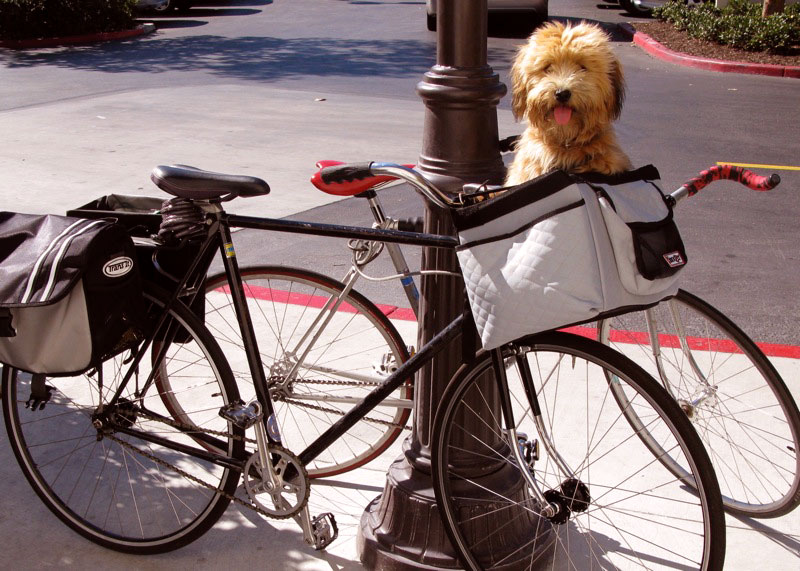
(193, 183)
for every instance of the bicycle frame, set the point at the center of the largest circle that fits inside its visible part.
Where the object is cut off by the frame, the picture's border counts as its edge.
(219, 238)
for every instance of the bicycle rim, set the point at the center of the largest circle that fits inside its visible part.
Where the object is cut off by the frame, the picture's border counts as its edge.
(119, 490)
(734, 397)
(632, 513)
(357, 350)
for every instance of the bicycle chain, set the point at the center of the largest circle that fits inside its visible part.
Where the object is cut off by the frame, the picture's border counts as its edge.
(333, 410)
(165, 464)
(193, 427)
(340, 413)
(279, 379)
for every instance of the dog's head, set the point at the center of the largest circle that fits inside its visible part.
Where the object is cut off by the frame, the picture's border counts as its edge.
(567, 82)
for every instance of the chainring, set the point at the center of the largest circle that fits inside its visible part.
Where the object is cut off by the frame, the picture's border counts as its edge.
(286, 498)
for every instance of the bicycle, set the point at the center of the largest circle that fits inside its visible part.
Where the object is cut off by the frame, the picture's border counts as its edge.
(725, 384)
(754, 453)
(106, 455)
(307, 322)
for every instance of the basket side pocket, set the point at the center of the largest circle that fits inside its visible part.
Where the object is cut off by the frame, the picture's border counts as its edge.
(649, 255)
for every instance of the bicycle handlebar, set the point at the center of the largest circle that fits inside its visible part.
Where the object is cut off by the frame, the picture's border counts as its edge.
(726, 172)
(343, 173)
(346, 172)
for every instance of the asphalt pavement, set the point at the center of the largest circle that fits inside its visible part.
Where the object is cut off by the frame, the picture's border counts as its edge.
(63, 150)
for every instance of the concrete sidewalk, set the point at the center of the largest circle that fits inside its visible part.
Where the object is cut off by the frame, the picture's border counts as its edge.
(276, 135)
(110, 143)
(35, 539)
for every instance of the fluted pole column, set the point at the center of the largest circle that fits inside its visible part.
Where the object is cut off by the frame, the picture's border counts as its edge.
(401, 529)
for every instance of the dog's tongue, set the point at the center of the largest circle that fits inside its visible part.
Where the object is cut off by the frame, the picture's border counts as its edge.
(562, 114)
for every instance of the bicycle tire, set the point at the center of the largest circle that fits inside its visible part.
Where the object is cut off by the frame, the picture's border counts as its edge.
(633, 513)
(747, 418)
(357, 350)
(136, 500)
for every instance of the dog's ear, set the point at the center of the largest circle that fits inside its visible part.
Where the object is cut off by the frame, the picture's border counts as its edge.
(618, 82)
(519, 84)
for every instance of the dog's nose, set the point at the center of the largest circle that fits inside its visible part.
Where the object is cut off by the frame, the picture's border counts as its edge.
(563, 95)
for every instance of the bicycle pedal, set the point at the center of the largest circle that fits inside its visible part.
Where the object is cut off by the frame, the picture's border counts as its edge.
(241, 414)
(324, 529)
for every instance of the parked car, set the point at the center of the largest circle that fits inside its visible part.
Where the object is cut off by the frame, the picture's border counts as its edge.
(148, 5)
(640, 8)
(534, 11)
(163, 6)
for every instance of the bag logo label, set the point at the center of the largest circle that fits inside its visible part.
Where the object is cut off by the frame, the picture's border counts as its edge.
(118, 267)
(674, 259)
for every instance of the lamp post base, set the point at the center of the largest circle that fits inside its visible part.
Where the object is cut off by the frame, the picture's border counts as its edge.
(402, 530)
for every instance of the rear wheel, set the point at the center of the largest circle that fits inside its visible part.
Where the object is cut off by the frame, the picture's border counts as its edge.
(616, 506)
(314, 381)
(120, 472)
(729, 390)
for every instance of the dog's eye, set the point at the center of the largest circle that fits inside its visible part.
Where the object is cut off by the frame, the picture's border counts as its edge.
(548, 68)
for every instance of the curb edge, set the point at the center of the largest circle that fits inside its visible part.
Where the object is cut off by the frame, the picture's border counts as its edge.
(659, 51)
(139, 30)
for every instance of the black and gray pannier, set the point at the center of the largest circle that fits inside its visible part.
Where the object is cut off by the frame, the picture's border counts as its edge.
(70, 292)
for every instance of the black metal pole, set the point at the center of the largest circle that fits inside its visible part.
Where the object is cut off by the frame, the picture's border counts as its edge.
(401, 529)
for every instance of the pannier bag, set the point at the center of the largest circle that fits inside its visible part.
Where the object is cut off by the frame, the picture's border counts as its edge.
(565, 249)
(158, 264)
(70, 293)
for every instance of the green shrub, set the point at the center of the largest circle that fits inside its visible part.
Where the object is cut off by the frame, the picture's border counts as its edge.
(739, 24)
(27, 19)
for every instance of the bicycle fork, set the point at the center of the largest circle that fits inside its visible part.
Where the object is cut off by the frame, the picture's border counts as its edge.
(706, 392)
(573, 496)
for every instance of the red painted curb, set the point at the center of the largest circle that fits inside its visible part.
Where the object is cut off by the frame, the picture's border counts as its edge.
(656, 49)
(82, 39)
(699, 343)
(406, 314)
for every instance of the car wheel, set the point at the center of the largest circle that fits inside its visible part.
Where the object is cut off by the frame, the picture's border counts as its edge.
(164, 8)
(431, 22)
(633, 8)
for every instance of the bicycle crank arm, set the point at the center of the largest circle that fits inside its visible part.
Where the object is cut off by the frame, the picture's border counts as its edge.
(318, 532)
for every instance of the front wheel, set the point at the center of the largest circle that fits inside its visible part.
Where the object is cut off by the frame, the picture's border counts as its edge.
(120, 472)
(320, 359)
(729, 390)
(615, 505)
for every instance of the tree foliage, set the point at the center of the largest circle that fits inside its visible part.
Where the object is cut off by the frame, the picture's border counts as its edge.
(29, 19)
(739, 24)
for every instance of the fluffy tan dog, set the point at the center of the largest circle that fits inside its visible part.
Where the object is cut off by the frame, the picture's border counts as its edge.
(568, 86)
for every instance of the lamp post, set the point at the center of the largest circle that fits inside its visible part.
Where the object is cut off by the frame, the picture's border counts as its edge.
(401, 529)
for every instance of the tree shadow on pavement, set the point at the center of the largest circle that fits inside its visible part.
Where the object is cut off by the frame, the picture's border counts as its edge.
(253, 58)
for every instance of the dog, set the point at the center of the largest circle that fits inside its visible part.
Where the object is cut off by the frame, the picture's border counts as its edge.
(569, 87)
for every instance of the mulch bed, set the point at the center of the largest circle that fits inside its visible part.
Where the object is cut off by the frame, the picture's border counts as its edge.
(679, 41)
